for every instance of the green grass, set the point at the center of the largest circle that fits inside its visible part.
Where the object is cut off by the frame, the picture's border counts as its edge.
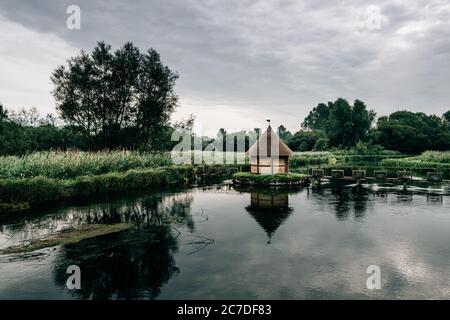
(304, 159)
(435, 156)
(325, 158)
(69, 236)
(72, 164)
(427, 160)
(43, 189)
(261, 179)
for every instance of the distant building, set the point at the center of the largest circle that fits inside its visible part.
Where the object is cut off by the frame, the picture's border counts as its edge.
(269, 154)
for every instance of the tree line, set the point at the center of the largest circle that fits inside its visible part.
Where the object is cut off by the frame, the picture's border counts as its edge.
(342, 125)
(124, 99)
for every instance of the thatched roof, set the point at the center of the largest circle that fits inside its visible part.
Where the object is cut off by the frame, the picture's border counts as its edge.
(264, 145)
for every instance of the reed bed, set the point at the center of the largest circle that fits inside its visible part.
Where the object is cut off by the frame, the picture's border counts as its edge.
(428, 159)
(72, 164)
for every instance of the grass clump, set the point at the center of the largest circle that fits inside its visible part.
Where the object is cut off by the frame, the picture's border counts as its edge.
(260, 179)
(69, 236)
(304, 159)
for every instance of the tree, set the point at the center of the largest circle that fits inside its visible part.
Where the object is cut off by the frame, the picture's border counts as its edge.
(305, 140)
(317, 119)
(3, 113)
(343, 124)
(121, 98)
(362, 120)
(25, 117)
(283, 133)
(412, 133)
(339, 128)
(156, 99)
(446, 117)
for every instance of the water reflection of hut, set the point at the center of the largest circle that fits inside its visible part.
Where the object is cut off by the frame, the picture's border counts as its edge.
(269, 210)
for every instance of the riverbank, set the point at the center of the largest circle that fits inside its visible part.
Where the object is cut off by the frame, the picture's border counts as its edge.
(18, 194)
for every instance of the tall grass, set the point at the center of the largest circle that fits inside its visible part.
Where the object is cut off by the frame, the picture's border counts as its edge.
(42, 189)
(428, 159)
(71, 164)
(304, 159)
(435, 156)
(324, 158)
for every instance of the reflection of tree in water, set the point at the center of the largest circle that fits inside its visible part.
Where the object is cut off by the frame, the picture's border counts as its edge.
(360, 197)
(270, 210)
(132, 264)
(346, 198)
(155, 210)
(129, 265)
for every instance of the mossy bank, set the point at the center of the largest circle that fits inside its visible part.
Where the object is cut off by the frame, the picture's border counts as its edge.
(282, 179)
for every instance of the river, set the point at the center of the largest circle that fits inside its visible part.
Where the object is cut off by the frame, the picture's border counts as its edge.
(217, 242)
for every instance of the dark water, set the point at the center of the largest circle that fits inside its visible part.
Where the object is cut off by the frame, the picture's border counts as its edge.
(217, 242)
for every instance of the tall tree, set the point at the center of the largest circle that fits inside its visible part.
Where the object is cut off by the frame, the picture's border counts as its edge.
(411, 132)
(120, 98)
(317, 119)
(340, 127)
(3, 113)
(362, 120)
(343, 124)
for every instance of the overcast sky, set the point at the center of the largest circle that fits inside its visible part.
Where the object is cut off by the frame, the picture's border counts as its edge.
(241, 62)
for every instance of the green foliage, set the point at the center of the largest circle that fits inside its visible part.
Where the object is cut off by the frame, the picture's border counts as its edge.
(435, 156)
(317, 119)
(342, 124)
(427, 160)
(321, 144)
(284, 134)
(117, 99)
(261, 179)
(348, 124)
(361, 155)
(42, 189)
(412, 133)
(26, 131)
(446, 117)
(365, 149)
(304, 159)
(305, 140)
(71, 164)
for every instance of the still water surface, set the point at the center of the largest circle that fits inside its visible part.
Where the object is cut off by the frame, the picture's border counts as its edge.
(222, 243)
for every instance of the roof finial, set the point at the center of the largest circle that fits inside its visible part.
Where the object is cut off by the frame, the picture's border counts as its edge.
(268, 120)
